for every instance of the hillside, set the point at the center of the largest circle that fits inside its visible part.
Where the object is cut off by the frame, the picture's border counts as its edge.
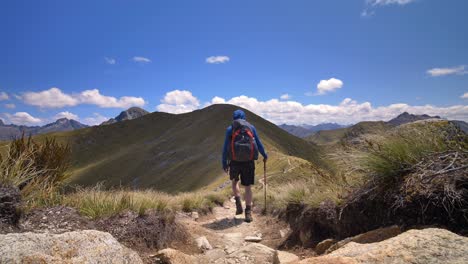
(8, 132)
(303, 131)
(170, 152)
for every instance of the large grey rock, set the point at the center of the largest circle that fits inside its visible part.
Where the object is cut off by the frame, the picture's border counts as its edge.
(88, 246)
(287, 258)
(203, 244)
(427, 246)
(254, 253)
(173, 256)
(372, 236)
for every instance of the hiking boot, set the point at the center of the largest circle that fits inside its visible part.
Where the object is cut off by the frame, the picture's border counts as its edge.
(238, 206)
(248, 215)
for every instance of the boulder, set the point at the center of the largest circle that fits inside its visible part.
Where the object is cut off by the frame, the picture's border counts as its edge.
(172, 256)
(427, 246)
(372, 236)
(203, 244)
(287, 258)
(87, 246)
(324, 245)
(254, 253)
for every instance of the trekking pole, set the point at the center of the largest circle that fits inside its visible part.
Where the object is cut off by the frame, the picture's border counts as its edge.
(264, 187)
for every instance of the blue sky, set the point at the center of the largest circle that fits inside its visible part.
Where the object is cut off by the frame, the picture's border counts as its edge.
(290, 61)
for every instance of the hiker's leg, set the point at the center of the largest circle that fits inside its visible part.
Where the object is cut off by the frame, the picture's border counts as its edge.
(248, 196)
(235, 188)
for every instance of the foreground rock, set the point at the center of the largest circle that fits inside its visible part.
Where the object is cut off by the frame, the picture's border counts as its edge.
(254, 253)
(425, 246)
(172, 256)
(88, 246)
(373, 236)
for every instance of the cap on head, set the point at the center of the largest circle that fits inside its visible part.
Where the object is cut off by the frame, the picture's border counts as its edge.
(238, 114)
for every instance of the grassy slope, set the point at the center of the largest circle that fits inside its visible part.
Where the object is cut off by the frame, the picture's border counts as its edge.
(169, 152)
(349, 133)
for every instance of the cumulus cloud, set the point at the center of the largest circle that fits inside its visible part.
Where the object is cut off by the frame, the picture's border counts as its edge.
(285, 97)
(95, 119)
(140, 59)
(4, 96)
(178, 101)
(464, 96)
(52, 98)
(436, 72)
(110, 61)
(94, 97)
(217, 59)
(348, 111)
(22, 118)
(10, 106)
(330, 85)
(55, 98)
(67, 115)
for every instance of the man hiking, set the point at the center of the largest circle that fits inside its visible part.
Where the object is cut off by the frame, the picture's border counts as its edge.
(240, 150)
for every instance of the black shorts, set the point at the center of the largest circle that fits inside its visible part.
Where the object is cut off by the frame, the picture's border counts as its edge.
(246, 171)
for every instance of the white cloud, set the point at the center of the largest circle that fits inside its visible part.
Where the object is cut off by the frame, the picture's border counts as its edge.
(285, 97)
(329, 85)
(178, 102)
(55, 98)
(110, 61)
(217, 59)
(371, 5)
(67, 115)
(4, 96)
(22, 118)
(95, 120)
(464, 96)
(140, 59)
(10, 106)
(52, 98)
(94, 97)
(435, 72)
(388, 2)
(347, 111)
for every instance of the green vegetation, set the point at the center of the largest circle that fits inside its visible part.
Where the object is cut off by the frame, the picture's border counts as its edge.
(96, 203)
(38, 170)
(167, 152)
(406, 146)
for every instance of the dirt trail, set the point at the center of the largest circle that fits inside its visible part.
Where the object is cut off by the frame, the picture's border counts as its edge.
(226, 232)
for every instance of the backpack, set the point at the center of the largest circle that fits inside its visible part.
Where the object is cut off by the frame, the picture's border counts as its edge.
(243, 146)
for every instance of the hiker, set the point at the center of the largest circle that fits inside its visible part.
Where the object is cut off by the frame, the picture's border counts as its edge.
(240, 150)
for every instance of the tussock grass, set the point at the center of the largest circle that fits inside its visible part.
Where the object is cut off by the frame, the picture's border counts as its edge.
(96, 202)
(38, 170)
(404, 148)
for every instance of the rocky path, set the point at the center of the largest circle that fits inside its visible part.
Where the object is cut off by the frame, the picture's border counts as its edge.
(224, 237)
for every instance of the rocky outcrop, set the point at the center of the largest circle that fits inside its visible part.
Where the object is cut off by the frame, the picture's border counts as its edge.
(373, 236)
(88, 246)
(427, 246)
(254, 253)
(172, 256)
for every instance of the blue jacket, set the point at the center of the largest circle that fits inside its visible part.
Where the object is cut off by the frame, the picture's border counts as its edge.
(239, 114)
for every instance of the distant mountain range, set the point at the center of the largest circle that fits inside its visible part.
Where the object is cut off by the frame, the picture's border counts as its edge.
(371, 127)
(129, 114)
(8, 132)
(303, 131)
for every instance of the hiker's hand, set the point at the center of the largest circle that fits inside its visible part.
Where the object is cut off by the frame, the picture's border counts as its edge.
(265, 160)
(226, 170)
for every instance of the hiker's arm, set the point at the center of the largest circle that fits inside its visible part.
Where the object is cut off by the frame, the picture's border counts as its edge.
(225, 148)
(261, 149)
